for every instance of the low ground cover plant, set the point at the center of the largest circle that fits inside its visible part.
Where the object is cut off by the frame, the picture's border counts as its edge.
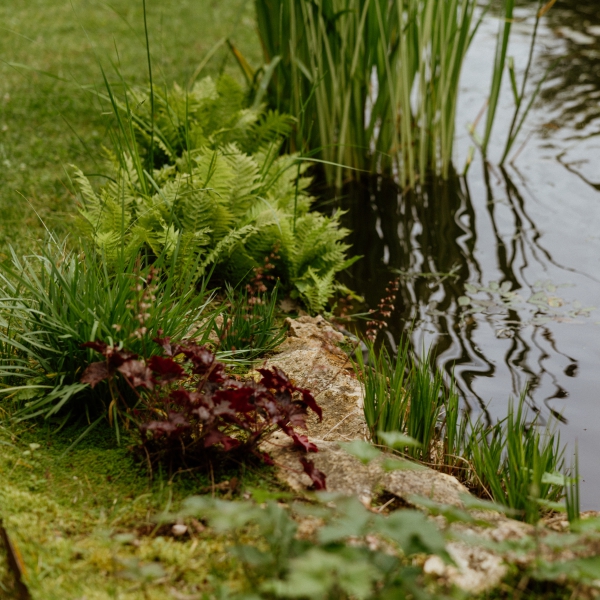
(205, 176)
(186, 407)
(353, 553)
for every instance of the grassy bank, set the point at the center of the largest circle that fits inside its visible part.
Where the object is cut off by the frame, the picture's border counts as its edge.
(48, 59)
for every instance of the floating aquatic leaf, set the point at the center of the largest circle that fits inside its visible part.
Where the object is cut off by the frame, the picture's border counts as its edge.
(464, 301)
(555, 301)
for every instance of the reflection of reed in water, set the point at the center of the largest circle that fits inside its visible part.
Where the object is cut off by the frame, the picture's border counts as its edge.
(427, 239)
(576, 78)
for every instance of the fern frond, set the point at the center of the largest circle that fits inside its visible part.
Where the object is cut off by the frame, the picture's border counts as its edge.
(221, 197)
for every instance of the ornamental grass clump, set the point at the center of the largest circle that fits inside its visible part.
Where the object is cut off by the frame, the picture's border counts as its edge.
(53, 302)
(246, 325)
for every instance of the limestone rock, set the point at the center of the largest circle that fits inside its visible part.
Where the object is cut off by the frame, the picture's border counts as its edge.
(309, 357)
(437, 486)
(347, 475)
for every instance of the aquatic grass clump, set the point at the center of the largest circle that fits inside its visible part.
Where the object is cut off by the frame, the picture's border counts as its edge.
(401, 396)
(515, 462)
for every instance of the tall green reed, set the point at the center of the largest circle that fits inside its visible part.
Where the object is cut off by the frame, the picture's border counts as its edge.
(376, 82)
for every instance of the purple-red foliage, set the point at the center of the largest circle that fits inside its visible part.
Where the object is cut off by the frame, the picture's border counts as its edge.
(200, 407)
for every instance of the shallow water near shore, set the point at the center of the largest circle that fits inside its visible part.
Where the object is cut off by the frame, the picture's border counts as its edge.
(499, 271)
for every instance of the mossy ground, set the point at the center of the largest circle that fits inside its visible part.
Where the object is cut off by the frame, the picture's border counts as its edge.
(84, 521)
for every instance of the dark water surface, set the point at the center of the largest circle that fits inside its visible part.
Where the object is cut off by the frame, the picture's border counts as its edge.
(499, 271)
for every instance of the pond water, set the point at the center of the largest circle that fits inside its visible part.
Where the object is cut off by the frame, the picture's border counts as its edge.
(499, 271)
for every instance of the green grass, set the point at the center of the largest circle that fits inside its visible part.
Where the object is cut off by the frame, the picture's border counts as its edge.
(48, 122)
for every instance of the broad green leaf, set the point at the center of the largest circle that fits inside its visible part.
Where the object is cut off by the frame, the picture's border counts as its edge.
(352, 522)
(364, 451)
(397, 440)
(554, 479)
(414, 533)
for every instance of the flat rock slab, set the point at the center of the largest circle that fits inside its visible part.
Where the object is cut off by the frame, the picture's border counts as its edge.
(311, 359)
(347, 475)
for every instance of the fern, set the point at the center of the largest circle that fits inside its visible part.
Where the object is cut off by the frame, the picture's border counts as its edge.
(220, 198)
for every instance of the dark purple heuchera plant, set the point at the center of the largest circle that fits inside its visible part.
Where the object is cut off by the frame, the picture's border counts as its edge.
(200, 408)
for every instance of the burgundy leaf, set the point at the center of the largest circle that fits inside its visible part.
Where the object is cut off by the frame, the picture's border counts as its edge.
(217, 374)
(266, 458)
(115, 356)
(100, 347)
(310, 401)
(176, 424)
(165, 344)
(138, 374)
(301, 441)
(223, 408)
(317, 477)
(166, 369)
(95, 373)
(200, 356)
(238, 399)
(181, 397)
(216, 437)
(275, 379)
(203, 413)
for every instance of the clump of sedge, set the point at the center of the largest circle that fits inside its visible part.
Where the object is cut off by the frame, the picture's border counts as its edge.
(189, 408)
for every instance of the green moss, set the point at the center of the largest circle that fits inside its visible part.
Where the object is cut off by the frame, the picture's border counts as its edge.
(84, 521)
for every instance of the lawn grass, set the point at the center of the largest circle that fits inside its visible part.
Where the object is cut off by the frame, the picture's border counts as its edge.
(48, 122)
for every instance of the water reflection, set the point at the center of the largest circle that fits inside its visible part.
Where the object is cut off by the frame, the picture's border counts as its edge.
(429, 240)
